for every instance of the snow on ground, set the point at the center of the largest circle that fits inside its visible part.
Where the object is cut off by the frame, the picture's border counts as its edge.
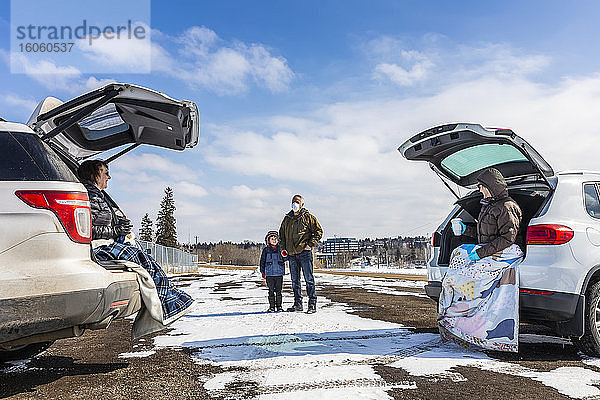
(377, 285)
(137, 354)
(384, 269)
(327, 355)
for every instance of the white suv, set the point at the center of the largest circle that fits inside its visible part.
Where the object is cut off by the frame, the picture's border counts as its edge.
(51, 286)
(560, 230)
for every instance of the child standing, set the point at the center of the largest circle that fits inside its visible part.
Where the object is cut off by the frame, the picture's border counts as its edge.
(272, 267)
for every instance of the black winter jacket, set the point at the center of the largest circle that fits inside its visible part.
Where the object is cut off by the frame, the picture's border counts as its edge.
(500, 216)
(103, 216)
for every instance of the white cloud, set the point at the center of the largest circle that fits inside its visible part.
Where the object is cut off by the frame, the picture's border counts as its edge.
(401, 76)
(57, 78)
(124, 54)
(20, 102)
(205, 60)
(245, 193)
(147, 162)
(343, 156)
(199, 58)
(190, 189)
(142, 178)
(440, 62)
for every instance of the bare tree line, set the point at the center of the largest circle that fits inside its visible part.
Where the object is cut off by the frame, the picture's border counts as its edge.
(246, 253)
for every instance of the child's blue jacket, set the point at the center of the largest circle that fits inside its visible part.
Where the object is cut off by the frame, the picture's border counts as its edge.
(272, 262)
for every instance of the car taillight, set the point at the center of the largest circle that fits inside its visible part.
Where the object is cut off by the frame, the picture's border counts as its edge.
(436, 239)
(549, 234)
(71, 208)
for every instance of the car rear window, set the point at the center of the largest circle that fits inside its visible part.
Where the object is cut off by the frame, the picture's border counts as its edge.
(24, 157)
(592, 203)
(466, 161)
(102, 123)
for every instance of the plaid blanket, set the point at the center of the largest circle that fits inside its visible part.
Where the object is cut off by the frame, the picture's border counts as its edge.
(479, 302)
(174, 302)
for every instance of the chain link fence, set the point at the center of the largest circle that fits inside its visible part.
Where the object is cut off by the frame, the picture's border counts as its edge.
(171, 260)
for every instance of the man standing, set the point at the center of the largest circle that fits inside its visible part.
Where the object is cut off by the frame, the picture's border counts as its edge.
(299, 233)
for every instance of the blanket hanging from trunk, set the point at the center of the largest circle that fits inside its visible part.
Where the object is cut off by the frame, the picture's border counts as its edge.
(163, 303)
(479, 301)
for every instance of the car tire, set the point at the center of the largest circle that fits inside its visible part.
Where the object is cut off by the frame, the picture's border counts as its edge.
(589, 343)
(23, 352)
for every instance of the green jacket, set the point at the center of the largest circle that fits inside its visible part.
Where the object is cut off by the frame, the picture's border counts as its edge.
(297, 231)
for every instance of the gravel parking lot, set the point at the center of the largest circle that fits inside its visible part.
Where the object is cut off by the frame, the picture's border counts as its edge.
(108, 364)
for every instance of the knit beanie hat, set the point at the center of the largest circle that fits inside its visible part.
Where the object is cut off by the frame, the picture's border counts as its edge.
(269, 234)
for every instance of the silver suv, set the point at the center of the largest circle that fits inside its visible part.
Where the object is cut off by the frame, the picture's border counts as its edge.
(51, 286)
(560, 231)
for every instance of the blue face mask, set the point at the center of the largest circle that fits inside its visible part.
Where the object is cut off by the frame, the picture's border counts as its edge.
(295, 207)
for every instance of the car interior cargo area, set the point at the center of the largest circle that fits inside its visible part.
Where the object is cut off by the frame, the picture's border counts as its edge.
(530, 201)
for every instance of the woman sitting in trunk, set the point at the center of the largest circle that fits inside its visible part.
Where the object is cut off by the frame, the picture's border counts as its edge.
(479, 299)
(174, 302)
(499, 218)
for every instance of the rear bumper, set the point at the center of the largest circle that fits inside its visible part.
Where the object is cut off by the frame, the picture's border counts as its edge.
(92, 309)
(564, 312)
(539, 305)
(121, 299)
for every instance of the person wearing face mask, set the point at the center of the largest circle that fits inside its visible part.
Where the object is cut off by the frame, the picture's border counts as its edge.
(299, 233)
(479, 298)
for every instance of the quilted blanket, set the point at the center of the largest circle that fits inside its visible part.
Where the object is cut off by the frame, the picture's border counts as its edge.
(162, 301)
(479, 301)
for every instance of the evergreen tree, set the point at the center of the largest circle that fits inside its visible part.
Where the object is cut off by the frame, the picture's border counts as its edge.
(166, 230)
(146, 232)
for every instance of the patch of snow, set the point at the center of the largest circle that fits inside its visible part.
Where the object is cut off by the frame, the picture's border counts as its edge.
(595, 362)
(329, 354)
(137, 354)
(383, 269)
(440, 362)
(366, 393)
(16, 365)
(571, 381)
(376, 285)
(324, 354)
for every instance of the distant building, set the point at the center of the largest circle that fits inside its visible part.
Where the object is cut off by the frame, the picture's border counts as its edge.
(340, 245)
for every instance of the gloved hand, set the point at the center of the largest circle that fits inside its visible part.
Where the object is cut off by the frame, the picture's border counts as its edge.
(123, 227)
(458, 227)
(473, 256)
(284, 253)
(263, 274)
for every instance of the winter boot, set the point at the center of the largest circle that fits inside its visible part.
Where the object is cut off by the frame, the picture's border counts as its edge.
(295, 307)
(271, 302)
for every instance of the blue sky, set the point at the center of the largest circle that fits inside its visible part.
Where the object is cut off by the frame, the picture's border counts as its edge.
(314, 97)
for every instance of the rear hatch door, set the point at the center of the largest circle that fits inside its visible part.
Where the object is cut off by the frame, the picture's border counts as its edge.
(115, 115)
(460, 152)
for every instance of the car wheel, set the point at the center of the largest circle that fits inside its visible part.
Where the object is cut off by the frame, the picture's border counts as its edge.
(589, 343)
(23, 352)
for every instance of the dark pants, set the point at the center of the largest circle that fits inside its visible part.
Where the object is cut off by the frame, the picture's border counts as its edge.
(274, 283)
(304, 262)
